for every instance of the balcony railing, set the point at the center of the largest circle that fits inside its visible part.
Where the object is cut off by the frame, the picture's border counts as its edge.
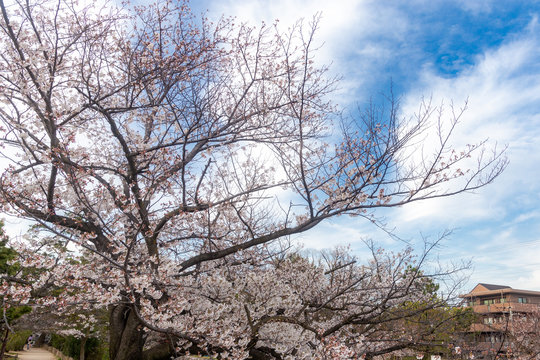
(491, 347)
(504, 307)
(497, 327)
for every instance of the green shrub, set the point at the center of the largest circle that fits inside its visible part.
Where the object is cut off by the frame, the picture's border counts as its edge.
(57, 341)
(72, 347)
(16, 341)
(68, 345)
(95, 349)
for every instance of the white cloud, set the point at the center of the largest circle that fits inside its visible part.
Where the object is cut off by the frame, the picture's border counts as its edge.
(358, 36)
(503, 89)
(510, 263)
(501, 224)
(527, 216)
(476, 6)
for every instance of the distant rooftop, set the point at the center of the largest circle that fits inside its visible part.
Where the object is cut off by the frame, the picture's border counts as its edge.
(483, 289)
(494, 287)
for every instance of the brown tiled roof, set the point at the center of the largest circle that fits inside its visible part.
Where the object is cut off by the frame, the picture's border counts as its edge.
(490, 289)
(494, 287)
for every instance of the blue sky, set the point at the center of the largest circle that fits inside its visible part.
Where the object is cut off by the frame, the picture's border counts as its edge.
(485, 51)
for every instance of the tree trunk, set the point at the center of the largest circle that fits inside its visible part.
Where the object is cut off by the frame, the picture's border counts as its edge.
(82, 350)
(125, 334)
(4, 344)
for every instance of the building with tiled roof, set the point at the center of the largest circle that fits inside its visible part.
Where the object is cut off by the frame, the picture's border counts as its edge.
(496, 306)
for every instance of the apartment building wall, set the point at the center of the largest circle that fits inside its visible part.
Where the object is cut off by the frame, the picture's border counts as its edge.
(496, 306)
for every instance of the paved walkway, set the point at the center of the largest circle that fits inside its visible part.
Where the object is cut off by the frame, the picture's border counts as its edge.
(35, 354)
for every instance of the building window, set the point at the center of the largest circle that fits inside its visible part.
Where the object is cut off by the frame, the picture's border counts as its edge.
(522, 300)
(488, 302)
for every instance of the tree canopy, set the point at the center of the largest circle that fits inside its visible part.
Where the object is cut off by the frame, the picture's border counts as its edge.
(177, 156)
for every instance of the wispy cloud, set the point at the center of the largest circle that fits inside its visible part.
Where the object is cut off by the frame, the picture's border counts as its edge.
(358, 36)
(503, 88)
(485, 51)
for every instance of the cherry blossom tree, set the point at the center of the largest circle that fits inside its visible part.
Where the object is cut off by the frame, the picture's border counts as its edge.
(523, 334)
(10, 312)
(176, 155)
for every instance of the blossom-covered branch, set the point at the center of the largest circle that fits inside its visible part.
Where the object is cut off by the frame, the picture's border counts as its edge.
(173, 153)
